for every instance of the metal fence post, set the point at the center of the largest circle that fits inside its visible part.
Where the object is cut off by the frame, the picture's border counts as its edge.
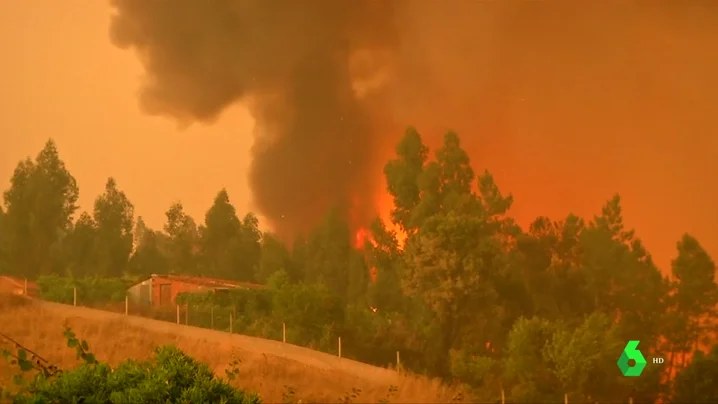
(74, 296)
(127, 305)
(284, 333)
(340, 347)
(178, 314)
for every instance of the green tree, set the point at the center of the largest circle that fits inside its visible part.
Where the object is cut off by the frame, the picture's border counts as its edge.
(457, 257)
(546, 360)
(81, 256)
(114, 215)
(402, 178)
(314, 311)
(582, 359)
(274, 257)
(444, 265)
(139, 232)
(183, 240)
(692, 307)
(549, 262)
(40, 204)
(220, 238)
(620, 275)
(331, 260)
(249, 247)
(697, 382)
(455, 173)
(300, 257)
(695, 273)
(525, 368)
(147, 257)
(572, 269)
(445, 185)
(385, 258)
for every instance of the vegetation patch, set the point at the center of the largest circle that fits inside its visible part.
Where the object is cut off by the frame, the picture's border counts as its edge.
(169, 377)
(451, 287)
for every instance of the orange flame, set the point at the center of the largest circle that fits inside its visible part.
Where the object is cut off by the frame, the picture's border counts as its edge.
(385, 205)
(361, 237)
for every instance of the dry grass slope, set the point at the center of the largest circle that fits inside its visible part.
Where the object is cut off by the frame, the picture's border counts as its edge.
(270, 368)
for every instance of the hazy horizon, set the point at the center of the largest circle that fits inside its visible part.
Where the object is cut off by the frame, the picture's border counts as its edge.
(67, 81)
(71, 84)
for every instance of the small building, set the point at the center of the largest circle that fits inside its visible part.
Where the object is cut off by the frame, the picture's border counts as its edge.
(16, 286)
(162, 290)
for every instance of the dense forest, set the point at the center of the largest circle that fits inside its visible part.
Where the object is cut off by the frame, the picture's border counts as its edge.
(467, 295)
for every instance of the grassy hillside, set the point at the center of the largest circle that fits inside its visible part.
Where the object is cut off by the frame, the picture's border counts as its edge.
(279, 372)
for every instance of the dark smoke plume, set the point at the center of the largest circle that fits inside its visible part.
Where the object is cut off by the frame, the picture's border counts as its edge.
(290, 61)
(565, 102)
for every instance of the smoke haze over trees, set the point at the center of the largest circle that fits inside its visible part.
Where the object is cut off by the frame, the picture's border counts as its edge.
(525, 83)
(567, 104)
(291, 62)
(539, 312)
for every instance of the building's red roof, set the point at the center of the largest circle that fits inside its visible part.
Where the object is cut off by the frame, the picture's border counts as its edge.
(208, 282)
(16, 283)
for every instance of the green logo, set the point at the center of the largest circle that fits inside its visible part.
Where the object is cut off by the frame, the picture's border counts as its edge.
(630, 352)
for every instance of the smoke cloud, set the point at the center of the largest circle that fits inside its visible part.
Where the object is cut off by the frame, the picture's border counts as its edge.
(566, 102)
(291, 62)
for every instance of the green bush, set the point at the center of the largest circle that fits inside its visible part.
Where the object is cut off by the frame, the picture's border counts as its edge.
(169, 377)
(256, 301)
(250, 311)
(313, 312)
(56, 288)
(91, 290)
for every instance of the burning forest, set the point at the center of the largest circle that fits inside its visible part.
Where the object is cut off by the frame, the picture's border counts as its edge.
(508, 194)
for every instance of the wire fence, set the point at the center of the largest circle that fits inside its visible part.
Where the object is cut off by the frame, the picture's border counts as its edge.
(219, 318)
(225, 319)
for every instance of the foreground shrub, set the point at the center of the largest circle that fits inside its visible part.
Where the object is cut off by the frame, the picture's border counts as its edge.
(169, 377)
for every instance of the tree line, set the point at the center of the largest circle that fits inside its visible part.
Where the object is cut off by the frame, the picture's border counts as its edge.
(534, 314)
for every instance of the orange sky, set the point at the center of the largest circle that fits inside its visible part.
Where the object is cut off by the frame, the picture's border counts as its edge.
(62, 78)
